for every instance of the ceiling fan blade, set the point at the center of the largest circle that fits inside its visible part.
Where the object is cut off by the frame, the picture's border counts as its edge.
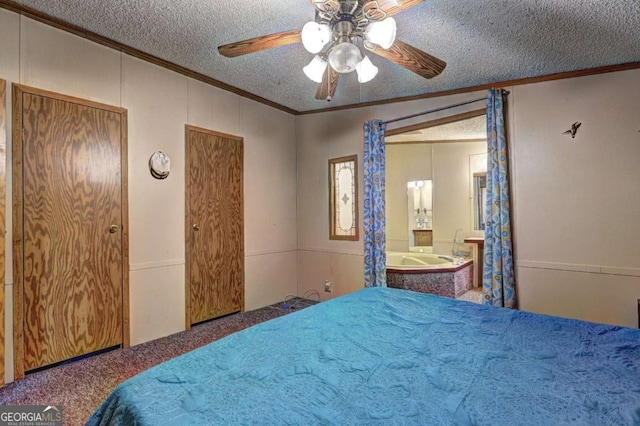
(327, 88)
(412, 59)
(390, 9)
(260, 43)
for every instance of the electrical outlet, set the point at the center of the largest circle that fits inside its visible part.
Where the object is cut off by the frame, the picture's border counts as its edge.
(327, 286)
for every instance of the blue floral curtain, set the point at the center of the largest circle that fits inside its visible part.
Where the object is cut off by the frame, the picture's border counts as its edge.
(498, 284)
(375, 261)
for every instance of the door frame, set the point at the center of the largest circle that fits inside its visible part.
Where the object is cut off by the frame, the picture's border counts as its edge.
(187, 225)
(18, 248)
(3, 186)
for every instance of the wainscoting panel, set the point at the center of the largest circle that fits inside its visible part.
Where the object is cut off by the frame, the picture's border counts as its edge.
(153, 290)
(610, 299)
(269, 278)
(345, 271)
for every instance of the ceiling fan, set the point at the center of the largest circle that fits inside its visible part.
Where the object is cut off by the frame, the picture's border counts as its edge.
(339, 28)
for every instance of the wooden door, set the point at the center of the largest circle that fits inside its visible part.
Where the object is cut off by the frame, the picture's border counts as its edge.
(70, 206)
(3, 156)
(214, 225)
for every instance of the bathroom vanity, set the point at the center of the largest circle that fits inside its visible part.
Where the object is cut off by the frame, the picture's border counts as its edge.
(423, 237)
(478, 258)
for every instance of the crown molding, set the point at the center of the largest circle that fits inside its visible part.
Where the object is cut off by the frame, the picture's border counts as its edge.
(105, 41)
(505, 83)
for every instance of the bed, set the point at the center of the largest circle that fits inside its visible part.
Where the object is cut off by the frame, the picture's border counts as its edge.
(394, 357)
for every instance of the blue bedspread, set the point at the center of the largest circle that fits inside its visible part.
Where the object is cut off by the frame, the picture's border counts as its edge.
(394, 357)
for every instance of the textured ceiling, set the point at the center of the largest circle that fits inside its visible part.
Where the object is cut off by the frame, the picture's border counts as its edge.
(481, 41)
(472, 128)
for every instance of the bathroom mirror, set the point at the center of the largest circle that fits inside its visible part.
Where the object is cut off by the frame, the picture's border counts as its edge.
(420, 209)
(478, 189)
(479, 200)
(443, 154)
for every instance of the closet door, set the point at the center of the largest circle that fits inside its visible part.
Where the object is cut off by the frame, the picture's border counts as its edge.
(70, 239)
(214, 225)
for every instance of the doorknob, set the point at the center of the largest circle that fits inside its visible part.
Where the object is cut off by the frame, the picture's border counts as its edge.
(113, 229)
(196, 227)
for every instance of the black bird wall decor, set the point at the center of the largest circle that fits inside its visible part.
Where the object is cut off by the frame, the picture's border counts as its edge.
(573, 130)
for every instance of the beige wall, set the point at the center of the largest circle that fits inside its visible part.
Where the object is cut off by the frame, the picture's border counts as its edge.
(159, 104)
(576, 201)
(405, 163)
(452, 208)
(321, 137)
(450, 173)
(319, 259)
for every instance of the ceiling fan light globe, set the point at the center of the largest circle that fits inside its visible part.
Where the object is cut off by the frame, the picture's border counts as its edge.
(315, 69)
(344, 57)
(315, 36)
(382, 33)
(366, 70)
